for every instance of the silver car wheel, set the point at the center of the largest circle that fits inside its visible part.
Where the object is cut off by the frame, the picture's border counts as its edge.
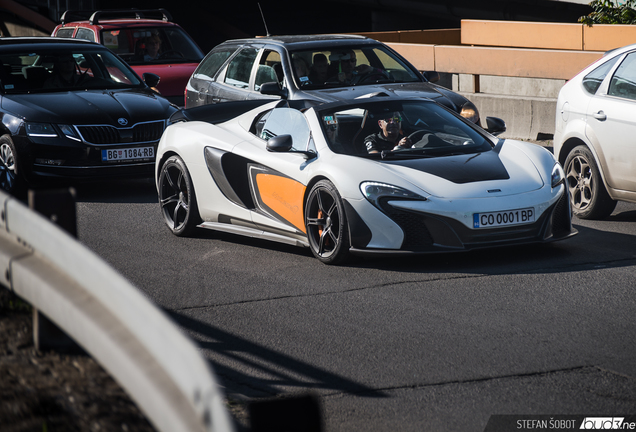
(588, 195)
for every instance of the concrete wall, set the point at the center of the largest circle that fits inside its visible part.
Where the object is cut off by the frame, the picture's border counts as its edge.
(528, 105)
(512, 70)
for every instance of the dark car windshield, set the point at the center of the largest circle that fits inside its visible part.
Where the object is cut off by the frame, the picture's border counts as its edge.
(346, 66)
(76, 68)
(152, 45)
(432, 129)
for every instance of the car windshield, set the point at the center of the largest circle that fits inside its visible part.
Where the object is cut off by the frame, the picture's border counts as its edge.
(432, 130)
(51, 70)
(152, 45)
(346, 66)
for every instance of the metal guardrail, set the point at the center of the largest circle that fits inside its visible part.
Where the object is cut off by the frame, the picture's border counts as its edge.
(107, 316)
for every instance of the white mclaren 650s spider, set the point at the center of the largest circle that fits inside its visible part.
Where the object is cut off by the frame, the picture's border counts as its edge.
(378, 175)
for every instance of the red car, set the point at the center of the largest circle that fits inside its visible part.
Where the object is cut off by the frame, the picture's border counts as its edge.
(147, 40)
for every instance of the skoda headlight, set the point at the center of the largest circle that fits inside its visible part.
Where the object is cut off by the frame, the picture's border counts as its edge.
(558, 176)
(41, 130)
(381, 192)
(69, 132)
(469, 112)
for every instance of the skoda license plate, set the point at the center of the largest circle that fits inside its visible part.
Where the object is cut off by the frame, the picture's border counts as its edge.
(127, 154)
(503, 218)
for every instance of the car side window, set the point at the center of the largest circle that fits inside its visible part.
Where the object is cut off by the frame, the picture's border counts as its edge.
(213, 62)
(65, 32)
(85, 34)
(269, 69)
(240, 68)
(117, 41)
(289, 121)
(623, 83)
(593, 80)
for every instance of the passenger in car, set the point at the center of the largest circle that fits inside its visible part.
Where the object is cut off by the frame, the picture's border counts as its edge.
(389, 137)
(318, 73)
(152, 47)
(65, 73)
(348, 71)
(302, 70)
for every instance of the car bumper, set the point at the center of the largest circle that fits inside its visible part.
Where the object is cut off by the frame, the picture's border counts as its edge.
(144, 169)
(434, 233)
(81, 161)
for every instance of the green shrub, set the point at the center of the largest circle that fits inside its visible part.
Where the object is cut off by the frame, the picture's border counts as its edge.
(611, 12)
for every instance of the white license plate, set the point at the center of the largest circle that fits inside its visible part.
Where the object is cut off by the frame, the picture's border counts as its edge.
(125, 154)
(503, 218)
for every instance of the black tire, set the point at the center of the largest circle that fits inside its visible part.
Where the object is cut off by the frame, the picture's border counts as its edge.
(177, 198)
(10, 181)
(588, 195)
(326, 224)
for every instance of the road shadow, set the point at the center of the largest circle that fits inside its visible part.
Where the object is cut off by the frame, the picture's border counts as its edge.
(271, 369)
(590, 248)
(141, 191)
(624, 216)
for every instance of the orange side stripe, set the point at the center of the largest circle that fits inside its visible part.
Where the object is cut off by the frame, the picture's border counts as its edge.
(284, 196)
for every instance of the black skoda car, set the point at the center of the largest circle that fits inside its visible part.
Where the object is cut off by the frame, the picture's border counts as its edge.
(73, 109)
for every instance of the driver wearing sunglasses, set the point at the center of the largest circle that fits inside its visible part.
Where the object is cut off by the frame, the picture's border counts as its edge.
(349, 71)
(389, 137)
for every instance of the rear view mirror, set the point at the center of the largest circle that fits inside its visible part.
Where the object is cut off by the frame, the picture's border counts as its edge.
(431, 76)
(280, 143)
(495, 125)
(151, 80)
(273, 89)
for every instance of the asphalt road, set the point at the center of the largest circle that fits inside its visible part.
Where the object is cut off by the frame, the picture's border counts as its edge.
(432, 343)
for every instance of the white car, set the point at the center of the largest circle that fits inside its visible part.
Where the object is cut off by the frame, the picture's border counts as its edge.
(299, 172)
(595, 134)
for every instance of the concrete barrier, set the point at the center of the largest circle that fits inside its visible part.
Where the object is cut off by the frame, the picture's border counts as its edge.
(510, 69)
(115, 323)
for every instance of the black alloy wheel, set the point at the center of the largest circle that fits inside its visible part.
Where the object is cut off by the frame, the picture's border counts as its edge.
(9, 181)
(177, 198)
(326, 224)
(588, 195)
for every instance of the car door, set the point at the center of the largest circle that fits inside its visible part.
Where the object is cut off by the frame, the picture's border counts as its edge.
(198, 88)
(278, 180)
(611, 122)
(233, 82)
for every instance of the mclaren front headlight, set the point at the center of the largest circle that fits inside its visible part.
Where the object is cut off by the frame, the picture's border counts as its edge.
(558, 175)
(378, 193)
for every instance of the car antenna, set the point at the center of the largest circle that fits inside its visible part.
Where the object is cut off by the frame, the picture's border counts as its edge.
(264, 23)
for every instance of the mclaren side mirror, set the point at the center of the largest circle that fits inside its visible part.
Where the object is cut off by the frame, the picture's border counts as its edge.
(280, 144)
(284, 144)
(273, 89)
(495, 125)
